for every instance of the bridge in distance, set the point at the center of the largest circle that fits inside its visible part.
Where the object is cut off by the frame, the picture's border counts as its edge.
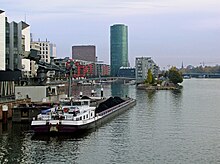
(202, 75)
(103, 79)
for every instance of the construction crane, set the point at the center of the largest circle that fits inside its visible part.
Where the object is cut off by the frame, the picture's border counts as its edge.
(43, 67)
(205, 63)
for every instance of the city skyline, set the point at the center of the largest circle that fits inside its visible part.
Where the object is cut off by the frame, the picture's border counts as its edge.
(171, 32)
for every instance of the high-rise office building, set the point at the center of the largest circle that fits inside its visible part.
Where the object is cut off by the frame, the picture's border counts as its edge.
(84, 52)
(118, 47)
(2, 40)
(14, 44)
(14, 48)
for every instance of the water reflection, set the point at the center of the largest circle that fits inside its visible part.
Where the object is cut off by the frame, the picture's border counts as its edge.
(5, 127)
(164, 127)
(150, 97)
(11, 142)
(177, 98)
(86, 90)
(62, 137)
(13, 128)
(120, 90)
(57, 148)
(114, 89)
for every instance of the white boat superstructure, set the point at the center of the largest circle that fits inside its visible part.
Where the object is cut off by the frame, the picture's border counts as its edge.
(76, 112)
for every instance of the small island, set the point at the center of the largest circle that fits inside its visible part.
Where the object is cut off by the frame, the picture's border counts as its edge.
(168, 80)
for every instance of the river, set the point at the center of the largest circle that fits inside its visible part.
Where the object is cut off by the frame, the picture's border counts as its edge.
(164, 127)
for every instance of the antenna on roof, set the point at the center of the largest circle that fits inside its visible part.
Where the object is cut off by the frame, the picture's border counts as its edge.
(25, 17)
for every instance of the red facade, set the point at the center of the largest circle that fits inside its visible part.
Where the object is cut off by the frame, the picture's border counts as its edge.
(82, 69)
(105, 70)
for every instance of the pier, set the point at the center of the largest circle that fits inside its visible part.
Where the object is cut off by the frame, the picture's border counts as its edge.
(6, 107)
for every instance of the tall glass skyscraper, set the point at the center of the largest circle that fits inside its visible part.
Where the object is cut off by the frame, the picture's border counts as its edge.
(118, 47)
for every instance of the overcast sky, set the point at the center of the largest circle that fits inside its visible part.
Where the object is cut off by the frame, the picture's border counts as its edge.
(169, 31)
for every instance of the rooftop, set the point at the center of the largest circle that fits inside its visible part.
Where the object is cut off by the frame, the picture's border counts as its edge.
(1, 11)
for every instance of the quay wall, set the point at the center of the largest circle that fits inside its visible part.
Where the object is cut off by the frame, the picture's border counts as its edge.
(11, 104)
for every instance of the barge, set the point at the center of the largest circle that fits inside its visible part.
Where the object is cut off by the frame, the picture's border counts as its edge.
(80, 115)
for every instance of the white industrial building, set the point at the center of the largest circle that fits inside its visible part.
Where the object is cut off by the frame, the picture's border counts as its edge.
(142, 65)
(47, 50)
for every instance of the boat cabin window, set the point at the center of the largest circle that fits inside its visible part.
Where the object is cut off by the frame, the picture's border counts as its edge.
(79, 103)
(65, 103)
(74, 108)
(76, 103)
(53, 92)
(85, 103)
(80, 118)
(84, 117)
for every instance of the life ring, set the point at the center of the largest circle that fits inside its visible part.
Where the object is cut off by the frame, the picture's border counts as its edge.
(65, 110)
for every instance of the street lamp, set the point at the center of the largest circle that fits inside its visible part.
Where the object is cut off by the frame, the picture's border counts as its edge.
(71, 69)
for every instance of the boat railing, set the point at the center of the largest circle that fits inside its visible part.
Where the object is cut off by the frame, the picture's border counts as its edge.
(114, 108)
(69, 117)
(44, 117)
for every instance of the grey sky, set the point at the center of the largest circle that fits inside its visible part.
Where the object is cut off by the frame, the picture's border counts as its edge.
(170, 31)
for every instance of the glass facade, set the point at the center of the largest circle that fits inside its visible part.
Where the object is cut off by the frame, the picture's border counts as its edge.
(126, 72)
(118, 47)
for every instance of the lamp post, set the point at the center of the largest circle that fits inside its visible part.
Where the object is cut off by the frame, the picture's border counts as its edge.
(71, 68)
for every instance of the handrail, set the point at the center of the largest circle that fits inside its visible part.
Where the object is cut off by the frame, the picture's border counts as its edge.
(114, 107)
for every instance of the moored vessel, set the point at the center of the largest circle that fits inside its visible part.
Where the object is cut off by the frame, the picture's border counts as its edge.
(79, 115)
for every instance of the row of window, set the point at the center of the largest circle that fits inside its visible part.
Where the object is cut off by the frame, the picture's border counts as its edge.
(84, 117)
(43, 48)
(43, 44)
(44, 52)
(45, 56)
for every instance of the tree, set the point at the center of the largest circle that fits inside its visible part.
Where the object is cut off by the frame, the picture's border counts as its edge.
(175, 76)
(150, 78)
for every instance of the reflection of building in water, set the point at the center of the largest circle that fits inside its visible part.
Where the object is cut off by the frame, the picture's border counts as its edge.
(177, 98)
(17, 148)
(119, 90)
(5, 127)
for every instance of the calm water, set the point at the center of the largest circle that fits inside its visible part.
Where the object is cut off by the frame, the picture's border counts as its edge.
(164, 127)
